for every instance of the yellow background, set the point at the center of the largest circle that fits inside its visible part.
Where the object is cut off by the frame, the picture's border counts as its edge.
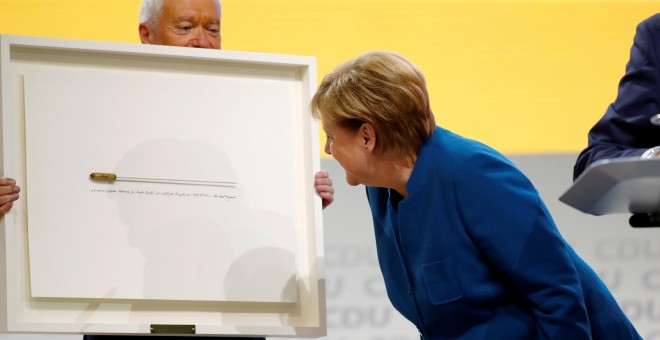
(522, 76)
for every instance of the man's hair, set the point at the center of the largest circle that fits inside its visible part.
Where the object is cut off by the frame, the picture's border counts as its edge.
(151, 10)
(383, 89)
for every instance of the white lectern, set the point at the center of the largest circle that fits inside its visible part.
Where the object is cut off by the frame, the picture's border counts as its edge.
(620, 185)
(204, 218)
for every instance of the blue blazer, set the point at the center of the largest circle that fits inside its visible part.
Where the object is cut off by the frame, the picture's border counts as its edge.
(625, 130)
(472, 253)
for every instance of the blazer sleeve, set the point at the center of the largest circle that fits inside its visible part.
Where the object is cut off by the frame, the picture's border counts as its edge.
(625, 130)
(505, 218)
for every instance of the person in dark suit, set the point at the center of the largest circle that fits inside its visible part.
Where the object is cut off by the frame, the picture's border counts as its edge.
(631, 124)
(466, 247)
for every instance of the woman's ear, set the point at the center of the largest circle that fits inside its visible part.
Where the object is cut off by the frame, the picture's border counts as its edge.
(368, 136)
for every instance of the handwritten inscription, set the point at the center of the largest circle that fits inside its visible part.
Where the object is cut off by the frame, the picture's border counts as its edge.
(164, 194)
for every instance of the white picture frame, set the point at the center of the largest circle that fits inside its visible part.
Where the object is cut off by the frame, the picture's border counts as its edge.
(134, 254)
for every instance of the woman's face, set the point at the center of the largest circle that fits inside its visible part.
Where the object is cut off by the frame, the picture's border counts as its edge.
(350, 150)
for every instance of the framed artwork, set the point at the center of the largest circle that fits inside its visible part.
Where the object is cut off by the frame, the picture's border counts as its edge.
(165, 190)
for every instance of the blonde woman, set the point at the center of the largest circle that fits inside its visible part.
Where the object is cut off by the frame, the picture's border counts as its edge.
(466, 246)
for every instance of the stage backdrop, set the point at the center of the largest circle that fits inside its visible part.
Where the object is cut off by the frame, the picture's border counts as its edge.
(527, 77)
(523, 76)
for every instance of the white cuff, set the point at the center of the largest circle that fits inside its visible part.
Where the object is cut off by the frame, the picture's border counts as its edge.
(651, 153)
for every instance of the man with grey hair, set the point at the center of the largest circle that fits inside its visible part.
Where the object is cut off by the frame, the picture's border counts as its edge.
(187, 23)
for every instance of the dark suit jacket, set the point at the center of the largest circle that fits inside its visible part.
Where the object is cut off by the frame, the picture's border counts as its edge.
(625, 129)
(472, 253)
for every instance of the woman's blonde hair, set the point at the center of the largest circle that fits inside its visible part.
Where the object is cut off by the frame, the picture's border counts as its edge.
(383, 89)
